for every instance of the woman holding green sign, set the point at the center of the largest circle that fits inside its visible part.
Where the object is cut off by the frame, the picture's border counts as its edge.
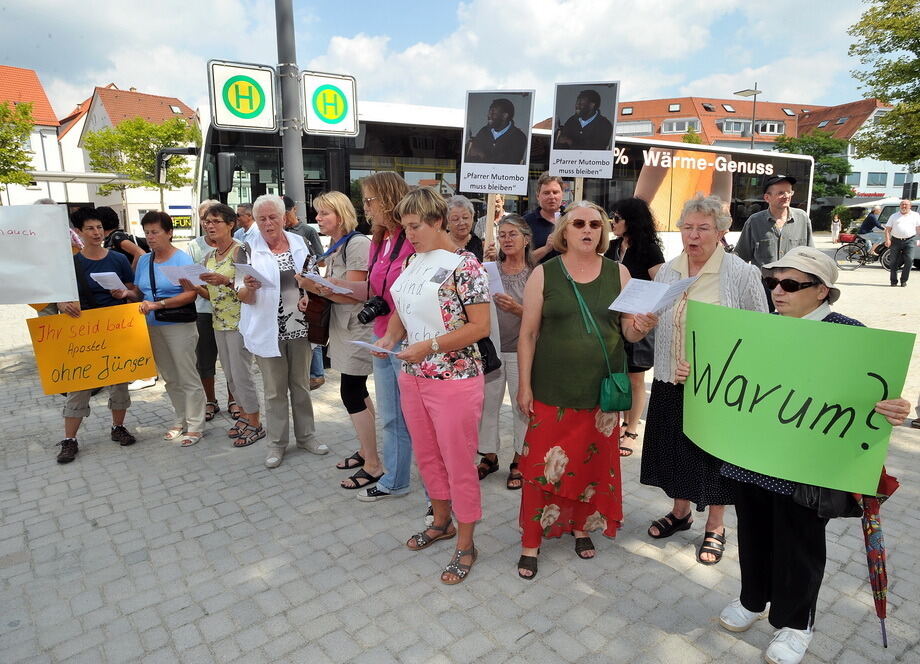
(781, 541)
(670, 460)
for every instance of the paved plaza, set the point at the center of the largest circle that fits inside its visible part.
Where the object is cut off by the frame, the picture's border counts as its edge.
(154, 553)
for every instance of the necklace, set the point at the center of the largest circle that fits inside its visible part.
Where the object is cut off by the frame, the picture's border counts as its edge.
(221, 252)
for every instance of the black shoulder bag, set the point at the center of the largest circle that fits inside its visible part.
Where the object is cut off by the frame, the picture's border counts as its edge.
(184, 314)
(490, 359)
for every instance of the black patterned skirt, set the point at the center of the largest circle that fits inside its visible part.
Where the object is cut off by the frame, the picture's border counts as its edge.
(672, 462)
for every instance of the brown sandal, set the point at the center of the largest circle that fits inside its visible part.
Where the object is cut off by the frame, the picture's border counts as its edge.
(423, 540)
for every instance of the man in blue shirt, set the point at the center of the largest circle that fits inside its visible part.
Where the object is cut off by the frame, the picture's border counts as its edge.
(542, 220)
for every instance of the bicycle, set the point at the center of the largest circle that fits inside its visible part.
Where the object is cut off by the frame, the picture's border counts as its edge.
(855, 254)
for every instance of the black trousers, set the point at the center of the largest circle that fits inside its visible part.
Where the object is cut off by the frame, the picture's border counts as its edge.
(782, 551)
(902, 249)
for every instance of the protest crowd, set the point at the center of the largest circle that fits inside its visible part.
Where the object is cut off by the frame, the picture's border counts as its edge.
(445, 314)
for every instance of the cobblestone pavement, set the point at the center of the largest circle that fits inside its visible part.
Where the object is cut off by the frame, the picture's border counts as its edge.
(153, 553)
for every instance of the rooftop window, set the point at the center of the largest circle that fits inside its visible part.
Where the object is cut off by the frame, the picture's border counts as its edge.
(729, 108)
(176, 110)
(626, 110)
(840, 121)
(789, 112)
(823, 123)
(709, 107)
(673, 108)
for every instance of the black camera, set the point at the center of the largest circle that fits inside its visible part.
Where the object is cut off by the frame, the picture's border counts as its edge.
(376, 306)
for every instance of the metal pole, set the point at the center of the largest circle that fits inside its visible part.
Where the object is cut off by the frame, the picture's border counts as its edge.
(291, 133)
(753, 115)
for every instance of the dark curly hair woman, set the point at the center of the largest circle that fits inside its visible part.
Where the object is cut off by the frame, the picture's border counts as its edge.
(638, 248)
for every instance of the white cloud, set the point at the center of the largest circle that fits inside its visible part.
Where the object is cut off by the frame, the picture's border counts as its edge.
(791, 79)
(157, 46)
(532, 44)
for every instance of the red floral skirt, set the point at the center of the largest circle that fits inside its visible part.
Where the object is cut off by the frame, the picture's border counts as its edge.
(571, 469)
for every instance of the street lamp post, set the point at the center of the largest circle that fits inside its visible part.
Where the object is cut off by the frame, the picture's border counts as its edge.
(751, 92)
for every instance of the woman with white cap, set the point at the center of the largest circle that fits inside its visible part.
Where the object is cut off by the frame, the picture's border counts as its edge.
(781, 543)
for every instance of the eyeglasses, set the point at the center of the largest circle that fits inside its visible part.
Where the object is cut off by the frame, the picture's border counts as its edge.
(580, 223)
(208, 222)
(511, 235)
(788, 285)
(368, 199)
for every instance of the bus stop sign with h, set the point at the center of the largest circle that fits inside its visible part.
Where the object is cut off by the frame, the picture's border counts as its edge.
(244, 98)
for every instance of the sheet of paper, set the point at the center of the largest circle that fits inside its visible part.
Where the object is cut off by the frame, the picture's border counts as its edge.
(495, 277)
(315, 278)
(108, 280)
(372, 347)
(246, 270)
(642, 297)
(176, 272)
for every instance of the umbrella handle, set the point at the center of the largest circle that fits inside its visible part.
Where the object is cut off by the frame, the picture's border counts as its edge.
(884, 633)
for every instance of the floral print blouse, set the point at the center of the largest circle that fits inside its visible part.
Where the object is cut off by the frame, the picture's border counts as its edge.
(470, 284)
(224, 299)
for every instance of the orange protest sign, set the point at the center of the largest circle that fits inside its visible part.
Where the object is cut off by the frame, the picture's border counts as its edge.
(103, 346)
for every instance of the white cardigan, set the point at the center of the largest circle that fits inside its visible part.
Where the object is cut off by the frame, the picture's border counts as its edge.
(739, 287)
(259, 320)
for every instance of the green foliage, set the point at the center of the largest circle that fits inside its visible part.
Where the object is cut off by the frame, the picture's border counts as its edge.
(831, 166)
(131, 149)
(692, 137)
(888, 46)
(15, 128)
(893, 137)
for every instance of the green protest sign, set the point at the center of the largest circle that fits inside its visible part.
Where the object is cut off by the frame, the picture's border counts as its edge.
(792, 398)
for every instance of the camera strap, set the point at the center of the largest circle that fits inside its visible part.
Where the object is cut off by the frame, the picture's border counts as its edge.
(400, 239)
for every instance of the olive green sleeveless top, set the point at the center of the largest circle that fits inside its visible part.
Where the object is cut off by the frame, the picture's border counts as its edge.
(568, 364)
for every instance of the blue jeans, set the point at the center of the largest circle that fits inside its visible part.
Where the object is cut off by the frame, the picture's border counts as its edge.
(902, 248)
(316, 363)
(397, 446)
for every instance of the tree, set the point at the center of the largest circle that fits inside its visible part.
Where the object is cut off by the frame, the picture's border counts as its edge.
(131, 148)
(15, 158)
(831, 166)
(692, 137)
(888, 45)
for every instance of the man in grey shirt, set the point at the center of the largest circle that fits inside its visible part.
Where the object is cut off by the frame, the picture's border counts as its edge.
(767, 235)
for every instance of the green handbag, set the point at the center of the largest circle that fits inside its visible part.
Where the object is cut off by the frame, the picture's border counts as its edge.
(616, 390)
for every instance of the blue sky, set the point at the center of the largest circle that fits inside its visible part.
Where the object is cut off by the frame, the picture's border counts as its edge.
(431, 53)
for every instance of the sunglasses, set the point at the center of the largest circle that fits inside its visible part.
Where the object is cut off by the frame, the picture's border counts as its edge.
(789, 285)
(580, 223)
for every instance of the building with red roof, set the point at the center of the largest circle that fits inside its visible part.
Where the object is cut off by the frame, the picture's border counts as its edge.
(22, 86)
(732, 122)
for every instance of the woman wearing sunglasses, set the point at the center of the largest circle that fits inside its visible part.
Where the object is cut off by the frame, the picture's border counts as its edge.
(781, 544)
(570, 461)
(670, 460)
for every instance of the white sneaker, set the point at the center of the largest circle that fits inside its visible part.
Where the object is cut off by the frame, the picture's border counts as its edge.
(313, 446)
(274, 457)
(140, 384)
(735, 618)
(788, 646)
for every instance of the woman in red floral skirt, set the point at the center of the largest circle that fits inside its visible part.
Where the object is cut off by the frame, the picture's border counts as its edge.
(571, 459)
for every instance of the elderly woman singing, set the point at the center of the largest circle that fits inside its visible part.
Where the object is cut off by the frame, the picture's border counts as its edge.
(275, 330)
(670, 460)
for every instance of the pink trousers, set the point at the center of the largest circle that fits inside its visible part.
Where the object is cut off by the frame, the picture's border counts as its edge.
(442, 417)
